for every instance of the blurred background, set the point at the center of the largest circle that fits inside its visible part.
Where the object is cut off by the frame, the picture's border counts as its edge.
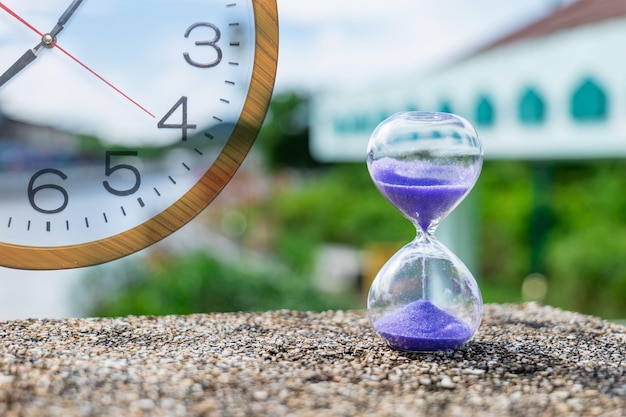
(301, 225)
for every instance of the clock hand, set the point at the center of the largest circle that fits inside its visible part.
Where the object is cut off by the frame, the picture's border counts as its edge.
(18, 17)
(65, 17)
(55, 30)
(28, 57)
(101, 78)
(49, 41)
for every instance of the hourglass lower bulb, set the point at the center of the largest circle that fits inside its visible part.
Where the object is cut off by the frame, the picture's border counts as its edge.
(424, 298)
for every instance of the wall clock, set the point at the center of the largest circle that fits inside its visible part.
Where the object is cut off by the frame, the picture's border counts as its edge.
(121, 120)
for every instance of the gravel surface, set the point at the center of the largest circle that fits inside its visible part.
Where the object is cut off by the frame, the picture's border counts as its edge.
(526, 360)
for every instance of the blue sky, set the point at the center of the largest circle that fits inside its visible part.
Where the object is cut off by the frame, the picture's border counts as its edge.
(332, 44)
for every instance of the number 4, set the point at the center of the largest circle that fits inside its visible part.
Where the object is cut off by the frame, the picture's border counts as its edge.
(184, 126)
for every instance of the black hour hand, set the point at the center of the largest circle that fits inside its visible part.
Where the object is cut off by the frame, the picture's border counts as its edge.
(28, 57)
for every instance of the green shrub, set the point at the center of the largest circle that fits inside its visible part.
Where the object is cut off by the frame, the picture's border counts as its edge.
(202, 283)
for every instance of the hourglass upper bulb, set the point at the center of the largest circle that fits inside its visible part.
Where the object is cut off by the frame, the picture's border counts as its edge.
(424, 163)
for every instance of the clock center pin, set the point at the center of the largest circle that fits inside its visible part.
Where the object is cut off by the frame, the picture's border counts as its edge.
(48, 40)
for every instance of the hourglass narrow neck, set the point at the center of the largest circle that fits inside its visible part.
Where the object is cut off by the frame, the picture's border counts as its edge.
(425, 235)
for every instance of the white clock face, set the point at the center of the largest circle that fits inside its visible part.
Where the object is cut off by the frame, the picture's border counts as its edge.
(110, 112)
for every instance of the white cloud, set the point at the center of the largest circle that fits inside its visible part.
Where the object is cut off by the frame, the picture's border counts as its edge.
(358, 10)
(329, 43)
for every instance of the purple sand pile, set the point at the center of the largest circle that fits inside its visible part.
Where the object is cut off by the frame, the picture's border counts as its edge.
(421, 327)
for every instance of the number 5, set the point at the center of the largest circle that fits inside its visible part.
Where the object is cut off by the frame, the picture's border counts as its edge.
(109, 170)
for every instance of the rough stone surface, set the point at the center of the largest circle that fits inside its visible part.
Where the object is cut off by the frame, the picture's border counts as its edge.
(526, 360)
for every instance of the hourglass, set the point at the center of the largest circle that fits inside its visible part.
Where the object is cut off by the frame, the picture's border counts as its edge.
(424, 298)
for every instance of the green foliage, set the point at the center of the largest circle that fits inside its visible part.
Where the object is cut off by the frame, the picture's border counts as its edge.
(340, 205)
(505, 190)
(583, 254)
(565, 220)
(284, 138)
(587, 253)
(203, 283)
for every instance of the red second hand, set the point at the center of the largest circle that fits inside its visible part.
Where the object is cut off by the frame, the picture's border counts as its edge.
(102, 79)
(18, 17)
(31, 27)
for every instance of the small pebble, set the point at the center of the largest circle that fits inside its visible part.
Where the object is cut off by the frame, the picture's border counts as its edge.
(425, 381)
(446, 382)
(260, 395)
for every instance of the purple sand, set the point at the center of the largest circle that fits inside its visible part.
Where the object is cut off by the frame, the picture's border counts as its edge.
(421, 327)
(421, 199)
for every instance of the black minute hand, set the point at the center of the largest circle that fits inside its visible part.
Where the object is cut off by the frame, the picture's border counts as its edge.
(65, 17)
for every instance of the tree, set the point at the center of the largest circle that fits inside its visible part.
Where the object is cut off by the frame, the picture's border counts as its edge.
(284, 138)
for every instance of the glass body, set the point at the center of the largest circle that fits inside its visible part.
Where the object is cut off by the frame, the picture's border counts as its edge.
(424, 298)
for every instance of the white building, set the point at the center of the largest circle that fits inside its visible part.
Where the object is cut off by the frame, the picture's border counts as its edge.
(554, 89)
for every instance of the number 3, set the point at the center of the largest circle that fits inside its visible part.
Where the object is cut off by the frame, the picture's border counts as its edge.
(212, 43)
